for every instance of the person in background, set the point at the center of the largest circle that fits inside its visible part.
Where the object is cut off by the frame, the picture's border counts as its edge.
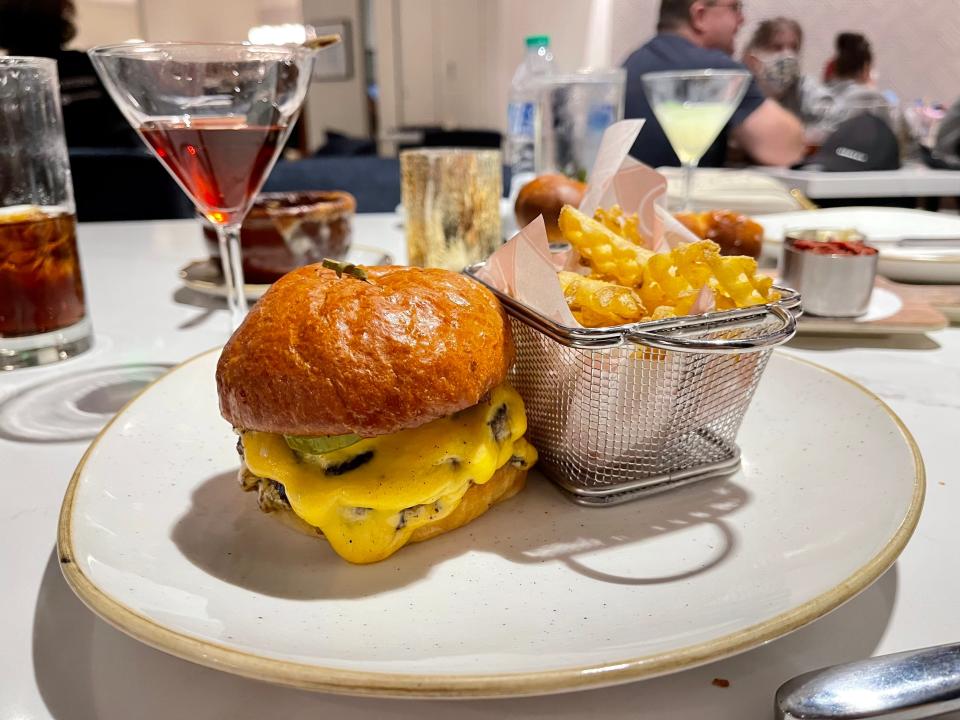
(854, 83)
(773, 56)
(946, 148)
(829, 70)
(42, 28)
(852, 89)
(697, 34)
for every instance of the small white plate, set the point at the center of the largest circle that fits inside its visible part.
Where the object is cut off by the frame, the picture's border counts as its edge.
(205, 276)
(537, 596)
(883, 304)
(883, 228)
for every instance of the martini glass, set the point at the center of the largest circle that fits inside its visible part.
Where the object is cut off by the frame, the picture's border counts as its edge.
(692, 107)
(216, 115)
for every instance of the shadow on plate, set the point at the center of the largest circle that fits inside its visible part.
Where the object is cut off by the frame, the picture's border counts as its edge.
(74, 406)
(224, 533)
(849, 342)
(87, 670)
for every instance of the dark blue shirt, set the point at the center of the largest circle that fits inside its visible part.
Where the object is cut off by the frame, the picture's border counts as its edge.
(668, 51)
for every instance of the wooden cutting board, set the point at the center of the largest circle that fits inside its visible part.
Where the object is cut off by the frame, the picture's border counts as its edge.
(915, 312)
(945, 298)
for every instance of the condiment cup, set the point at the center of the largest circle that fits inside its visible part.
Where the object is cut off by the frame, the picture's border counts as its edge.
(832, 284)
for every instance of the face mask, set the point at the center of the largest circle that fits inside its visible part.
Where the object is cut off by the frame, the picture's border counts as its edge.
(779, 71)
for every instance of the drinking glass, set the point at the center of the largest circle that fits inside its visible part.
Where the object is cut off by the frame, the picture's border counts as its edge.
(572, 115)
(692, 107)
(451, 199)
(43, 316)
(216, 115)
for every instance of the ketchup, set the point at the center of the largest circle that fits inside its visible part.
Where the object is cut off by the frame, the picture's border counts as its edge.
(834, 247)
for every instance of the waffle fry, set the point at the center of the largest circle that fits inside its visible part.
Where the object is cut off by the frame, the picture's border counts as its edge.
(609, 255)
(674, 279)
(628, 282)
(626, 226)
(737, 282)
(597, 303)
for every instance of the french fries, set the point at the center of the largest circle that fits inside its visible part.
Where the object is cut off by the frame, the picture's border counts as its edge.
(629, 283)
(611, 256)
(626, 226)
(597, 303)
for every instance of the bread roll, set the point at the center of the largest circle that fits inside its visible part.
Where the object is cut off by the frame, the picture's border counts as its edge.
(547, 195)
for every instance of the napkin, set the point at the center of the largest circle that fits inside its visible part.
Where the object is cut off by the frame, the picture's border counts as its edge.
(526, 269)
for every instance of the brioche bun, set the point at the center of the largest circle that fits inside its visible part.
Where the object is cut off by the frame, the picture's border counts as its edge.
(327, 355)
(546, 195)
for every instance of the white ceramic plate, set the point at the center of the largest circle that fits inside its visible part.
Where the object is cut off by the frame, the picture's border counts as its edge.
(539, 595)
(205, 276)
(883, 227)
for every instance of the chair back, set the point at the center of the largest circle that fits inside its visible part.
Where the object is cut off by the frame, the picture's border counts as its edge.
(374, 181)
(111, 184)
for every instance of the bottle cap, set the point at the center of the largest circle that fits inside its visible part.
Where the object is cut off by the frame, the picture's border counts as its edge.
(538, 41)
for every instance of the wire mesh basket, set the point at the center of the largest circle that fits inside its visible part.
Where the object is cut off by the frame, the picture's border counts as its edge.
(622, 412)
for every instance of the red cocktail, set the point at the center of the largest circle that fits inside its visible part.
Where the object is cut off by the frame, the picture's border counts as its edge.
(216, 115)
(219, 163)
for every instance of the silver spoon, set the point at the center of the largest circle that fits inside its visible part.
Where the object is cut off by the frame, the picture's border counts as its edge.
(902, 686)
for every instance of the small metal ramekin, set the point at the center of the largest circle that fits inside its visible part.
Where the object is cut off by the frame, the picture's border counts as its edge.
(831, 285)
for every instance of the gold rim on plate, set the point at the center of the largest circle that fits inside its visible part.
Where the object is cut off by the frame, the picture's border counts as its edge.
(351, 682)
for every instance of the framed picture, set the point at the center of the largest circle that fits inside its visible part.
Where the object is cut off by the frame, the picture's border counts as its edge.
(336, 62)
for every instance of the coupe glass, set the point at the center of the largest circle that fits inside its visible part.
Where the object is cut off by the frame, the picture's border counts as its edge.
(216, 115)
(692, 107)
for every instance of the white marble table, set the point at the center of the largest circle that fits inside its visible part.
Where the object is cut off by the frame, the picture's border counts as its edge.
(60, 661)
(913, 180)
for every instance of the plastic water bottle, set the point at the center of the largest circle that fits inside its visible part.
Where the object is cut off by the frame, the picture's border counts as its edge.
(522, 108)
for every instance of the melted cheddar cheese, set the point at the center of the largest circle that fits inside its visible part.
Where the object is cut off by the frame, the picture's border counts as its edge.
(368, 498)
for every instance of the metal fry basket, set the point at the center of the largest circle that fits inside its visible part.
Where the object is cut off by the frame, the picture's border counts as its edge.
(623, 412)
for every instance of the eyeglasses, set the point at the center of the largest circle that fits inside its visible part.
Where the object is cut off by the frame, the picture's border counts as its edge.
(736, 6)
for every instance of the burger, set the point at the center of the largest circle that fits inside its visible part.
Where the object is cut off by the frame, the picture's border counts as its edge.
(372, 405)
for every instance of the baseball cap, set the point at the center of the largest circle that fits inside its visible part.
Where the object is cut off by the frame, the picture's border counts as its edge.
(863, 142)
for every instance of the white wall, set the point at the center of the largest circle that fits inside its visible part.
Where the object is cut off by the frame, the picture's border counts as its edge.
(565, 21)
(199, 20)
(339, 105)
(417, 56)
(105, 21)
(279, 12)
(441, 52)
(443, 62)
